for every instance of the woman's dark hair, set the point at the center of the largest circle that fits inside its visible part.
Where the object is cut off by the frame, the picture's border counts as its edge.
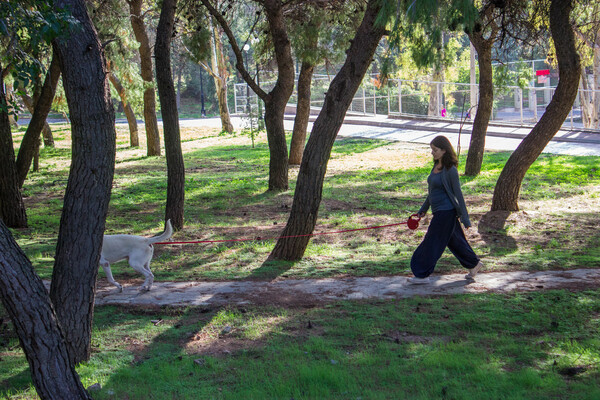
(449, 159)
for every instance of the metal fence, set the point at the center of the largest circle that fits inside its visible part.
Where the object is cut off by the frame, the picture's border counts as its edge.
(416, 98)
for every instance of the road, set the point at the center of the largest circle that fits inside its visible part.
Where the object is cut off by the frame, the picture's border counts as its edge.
(506, 138)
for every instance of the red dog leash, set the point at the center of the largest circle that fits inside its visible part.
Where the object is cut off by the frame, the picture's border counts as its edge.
(412, 223)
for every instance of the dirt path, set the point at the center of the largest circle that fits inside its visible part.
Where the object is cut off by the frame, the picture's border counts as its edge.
(307, 292)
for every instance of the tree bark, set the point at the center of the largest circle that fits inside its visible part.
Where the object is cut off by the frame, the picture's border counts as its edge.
(168, 106)
(506, 193)
(139, 30)
(90, 179)
(46, 131)
(309, 186)
(220, 76)
(302, 113)
(31, 139)
(218, 71)
(276, 100)
(12, 208)
(435, 95)
(134, 140)
(485, 104)
(590, 95)
(26, 301)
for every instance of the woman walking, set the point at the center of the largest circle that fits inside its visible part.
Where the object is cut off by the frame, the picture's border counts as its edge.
(448, 207)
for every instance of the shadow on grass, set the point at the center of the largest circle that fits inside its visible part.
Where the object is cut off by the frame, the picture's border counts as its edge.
(491, 225)
(16, 383)
(165, 354)
(271, 269)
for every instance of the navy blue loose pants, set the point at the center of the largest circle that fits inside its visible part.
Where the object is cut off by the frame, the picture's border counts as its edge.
(444, 231)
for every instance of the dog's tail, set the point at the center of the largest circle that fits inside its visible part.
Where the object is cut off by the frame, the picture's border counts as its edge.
(163, 236)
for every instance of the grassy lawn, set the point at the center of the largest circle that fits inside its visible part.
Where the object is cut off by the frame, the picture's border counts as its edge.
(369, 183)
(520, 346)
(516, 346)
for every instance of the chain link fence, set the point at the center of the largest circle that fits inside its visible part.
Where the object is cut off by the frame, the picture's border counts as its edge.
(513, 105)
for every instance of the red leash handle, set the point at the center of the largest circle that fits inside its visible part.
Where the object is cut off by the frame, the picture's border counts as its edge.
(413, 221)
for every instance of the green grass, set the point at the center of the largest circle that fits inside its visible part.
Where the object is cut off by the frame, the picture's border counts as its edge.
(513, 346)
(227, 198)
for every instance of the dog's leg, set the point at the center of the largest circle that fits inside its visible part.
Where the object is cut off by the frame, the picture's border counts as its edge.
(106, 267)
(142, 269)
(140, 261)
(149, 277)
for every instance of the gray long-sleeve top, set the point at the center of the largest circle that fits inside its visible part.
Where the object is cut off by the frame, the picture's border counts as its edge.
(451, 184)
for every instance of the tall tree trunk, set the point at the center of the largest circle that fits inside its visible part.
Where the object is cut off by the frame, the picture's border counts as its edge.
(90, 179)
(220, 76)
(276, 100)
(309, 186)
(586, 100)
(506, 193)
(134, 140)
(590, 94)
(221, 88)
(302, 113)
(484, 106)
(139, 30)
(31, 139)
(168, 106)
(8, 95)
(435, 93)
(26, 300)
(12, 208)
(46, 131)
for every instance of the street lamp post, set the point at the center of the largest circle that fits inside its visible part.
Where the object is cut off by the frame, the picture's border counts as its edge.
(202, 111)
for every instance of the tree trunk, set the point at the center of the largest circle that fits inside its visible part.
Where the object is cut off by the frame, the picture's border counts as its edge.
(12, 208)
(31, 139)
(484, 106)
(46, 131)
(435, 95)
(220, 76)
(276, 100)
(218, 71)
(506, 193)
(26, 301)
(586, 100)
(302, 113)
(309, 186)
(221, 87)
(139, 30)
(134, 140)
(90, 179)
(168, 106)
(278, 155)
(590, 94)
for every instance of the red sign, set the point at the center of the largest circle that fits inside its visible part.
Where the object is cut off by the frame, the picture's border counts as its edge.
(542, 72)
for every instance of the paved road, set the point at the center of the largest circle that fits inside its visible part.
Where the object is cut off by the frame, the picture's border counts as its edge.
(422, 131)
(499, 137)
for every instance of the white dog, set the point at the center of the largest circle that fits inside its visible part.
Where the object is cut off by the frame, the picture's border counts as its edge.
(137, 249)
